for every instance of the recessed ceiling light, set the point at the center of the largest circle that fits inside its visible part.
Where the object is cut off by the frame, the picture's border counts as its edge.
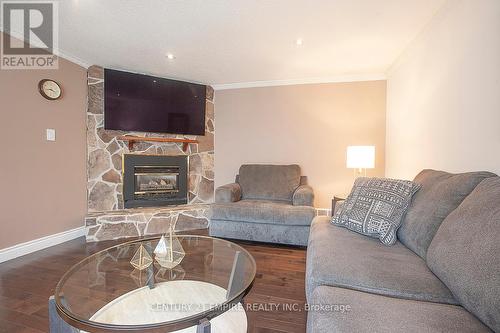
(299, 41)
(170, 56)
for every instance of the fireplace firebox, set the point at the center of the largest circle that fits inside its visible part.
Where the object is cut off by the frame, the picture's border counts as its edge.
(154, 180)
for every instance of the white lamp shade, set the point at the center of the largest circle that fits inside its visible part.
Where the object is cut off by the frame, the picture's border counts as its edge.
(361, 157)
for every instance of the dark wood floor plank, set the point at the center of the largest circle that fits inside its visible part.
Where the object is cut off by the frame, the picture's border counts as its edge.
(7, 327)
(27, 282)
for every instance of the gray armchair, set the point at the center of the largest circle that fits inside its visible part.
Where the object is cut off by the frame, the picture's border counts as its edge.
(267, 203)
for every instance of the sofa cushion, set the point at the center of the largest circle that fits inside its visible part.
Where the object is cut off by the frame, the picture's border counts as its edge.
(339, 257)
(260, 232)
(343, 310)
(465, 253)
(268, 182)
(261, 211)
(376, 206)
(439, 195)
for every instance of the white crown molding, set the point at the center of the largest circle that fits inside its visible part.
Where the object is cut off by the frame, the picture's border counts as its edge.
(272, 83)
(40, 244)
(58, 51)
(71, 58)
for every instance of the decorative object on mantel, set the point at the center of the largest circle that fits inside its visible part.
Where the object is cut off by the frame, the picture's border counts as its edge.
(141, 259)
(132, 139)
(360, 158)
(50, 89)
(169, 252)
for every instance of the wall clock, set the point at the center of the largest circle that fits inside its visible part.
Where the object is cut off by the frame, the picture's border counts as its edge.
(49, 89)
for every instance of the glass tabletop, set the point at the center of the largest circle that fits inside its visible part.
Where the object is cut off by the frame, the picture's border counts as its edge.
(105, 292)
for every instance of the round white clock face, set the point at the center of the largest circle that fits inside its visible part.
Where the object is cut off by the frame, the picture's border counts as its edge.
(50, 89)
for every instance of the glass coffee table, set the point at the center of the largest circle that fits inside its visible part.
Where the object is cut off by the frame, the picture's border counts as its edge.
(105, 293)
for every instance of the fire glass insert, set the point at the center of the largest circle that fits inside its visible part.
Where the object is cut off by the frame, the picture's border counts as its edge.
(151, 180)
(154, 180)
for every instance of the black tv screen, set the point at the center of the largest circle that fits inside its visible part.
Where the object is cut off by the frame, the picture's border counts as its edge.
(136, 102)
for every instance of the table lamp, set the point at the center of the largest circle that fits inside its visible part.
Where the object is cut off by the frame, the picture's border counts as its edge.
(360, 158)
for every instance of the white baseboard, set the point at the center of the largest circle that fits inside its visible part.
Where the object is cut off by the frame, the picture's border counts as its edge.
(22, 249)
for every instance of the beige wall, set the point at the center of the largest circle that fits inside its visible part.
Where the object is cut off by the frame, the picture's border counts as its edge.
(310, 125)
(443, 104)
(43, 183)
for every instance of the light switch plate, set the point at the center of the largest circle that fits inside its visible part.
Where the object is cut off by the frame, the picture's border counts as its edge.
(51, 134)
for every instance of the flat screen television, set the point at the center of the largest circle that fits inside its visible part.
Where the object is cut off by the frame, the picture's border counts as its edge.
(142, 103)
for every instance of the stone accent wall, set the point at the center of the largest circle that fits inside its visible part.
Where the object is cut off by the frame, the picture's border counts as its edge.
(104, 153)
(106, 218)
(145, 221)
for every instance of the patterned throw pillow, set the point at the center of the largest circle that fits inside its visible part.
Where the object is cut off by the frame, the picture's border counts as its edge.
(376, 207)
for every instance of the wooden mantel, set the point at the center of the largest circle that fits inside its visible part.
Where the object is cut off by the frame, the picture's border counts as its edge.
(132, 139)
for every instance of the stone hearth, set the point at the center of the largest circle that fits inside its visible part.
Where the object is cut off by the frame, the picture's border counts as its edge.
(145, 221)
(107, 218)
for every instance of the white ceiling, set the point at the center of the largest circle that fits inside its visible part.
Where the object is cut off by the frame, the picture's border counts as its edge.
(230, 41)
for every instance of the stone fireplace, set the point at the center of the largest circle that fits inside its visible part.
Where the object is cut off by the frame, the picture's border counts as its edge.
(154, 180)
(111, 212)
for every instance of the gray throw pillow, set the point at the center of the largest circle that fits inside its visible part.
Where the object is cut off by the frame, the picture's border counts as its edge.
(376, 207)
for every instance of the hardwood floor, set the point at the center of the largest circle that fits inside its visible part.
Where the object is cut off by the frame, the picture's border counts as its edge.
(275, 303)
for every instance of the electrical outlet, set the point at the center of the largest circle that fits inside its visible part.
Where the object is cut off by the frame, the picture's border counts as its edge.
(51, 134)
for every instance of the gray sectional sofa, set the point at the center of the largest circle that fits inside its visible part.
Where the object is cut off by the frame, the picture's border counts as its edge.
(267, 203)
(443, 275)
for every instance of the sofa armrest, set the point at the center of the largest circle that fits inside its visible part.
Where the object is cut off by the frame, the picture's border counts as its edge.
(228, 193)
(303, 196)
